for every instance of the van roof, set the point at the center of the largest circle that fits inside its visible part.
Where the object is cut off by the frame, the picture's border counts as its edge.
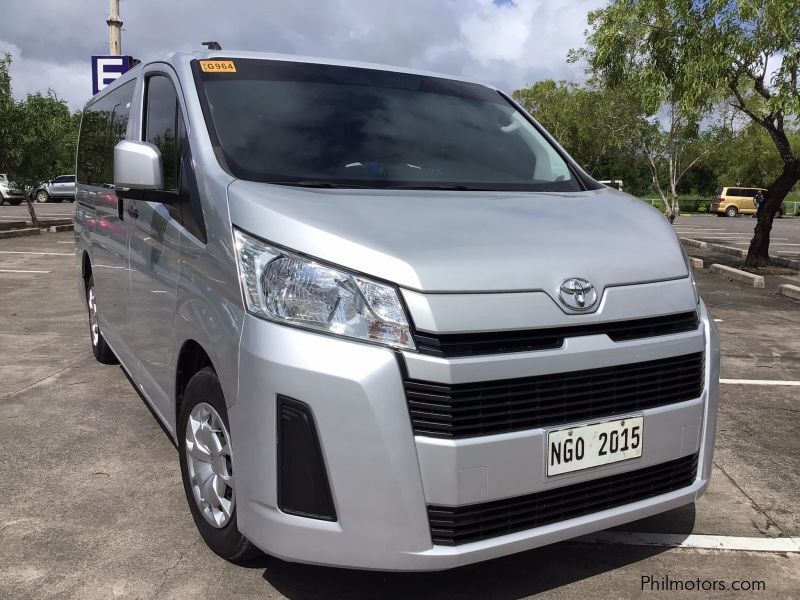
(177, 57)
(181, 58)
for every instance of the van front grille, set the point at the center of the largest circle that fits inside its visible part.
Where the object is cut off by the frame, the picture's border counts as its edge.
(495, 342)
(491, 407)
(451, 526)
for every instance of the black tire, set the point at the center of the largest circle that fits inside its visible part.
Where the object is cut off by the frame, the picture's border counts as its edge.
(42, 196)
(731, 211)
(102, 352)
(779, 213)
(227, 541)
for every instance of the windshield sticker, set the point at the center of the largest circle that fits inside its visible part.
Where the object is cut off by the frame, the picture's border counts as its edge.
(217, 66)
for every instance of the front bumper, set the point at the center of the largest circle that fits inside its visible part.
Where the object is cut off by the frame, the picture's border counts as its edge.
(382, 478)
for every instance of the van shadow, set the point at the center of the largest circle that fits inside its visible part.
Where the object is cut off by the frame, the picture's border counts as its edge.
(517, 576)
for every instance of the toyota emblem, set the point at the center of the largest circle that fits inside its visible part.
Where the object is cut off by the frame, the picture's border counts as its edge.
(577, 293)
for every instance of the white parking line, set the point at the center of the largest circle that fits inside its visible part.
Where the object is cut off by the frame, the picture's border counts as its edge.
(709, 542)
(759, 382)
(22, 271)
(36, 253)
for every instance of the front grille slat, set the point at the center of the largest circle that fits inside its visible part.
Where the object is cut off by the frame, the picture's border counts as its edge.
(485, 408)
(452, 526)
(495, 342)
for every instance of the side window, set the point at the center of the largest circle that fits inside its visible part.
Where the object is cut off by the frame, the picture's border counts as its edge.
(103, 125)
(160, 129)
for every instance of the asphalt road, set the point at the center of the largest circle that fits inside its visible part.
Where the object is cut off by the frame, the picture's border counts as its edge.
(49, 210)
(738, 231)
(93, 505)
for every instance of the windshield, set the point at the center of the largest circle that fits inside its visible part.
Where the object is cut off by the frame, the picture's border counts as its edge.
(322, 125)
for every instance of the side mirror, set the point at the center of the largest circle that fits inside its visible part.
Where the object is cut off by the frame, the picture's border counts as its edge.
(138, 166)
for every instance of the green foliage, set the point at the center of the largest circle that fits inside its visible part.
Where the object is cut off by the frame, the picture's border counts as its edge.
(695, 53)
(594, 125)
(38, 134)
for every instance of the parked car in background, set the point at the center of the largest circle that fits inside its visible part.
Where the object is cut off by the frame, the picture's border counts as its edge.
(731, 201)
(9, 192)
(59, 189)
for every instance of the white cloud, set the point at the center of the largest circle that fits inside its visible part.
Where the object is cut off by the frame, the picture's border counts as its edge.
(506, 43)
(71, 81)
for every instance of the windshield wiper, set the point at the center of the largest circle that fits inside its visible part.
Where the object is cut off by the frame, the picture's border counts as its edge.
(411, 186)
(314, 183)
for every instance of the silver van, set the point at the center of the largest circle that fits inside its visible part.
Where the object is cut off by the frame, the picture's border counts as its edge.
(388, 321)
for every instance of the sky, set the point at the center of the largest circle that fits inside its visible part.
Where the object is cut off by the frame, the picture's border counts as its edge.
(507, 43)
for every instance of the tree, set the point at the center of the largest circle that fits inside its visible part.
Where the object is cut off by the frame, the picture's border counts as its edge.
(608, 131)
(39, 135)
(698, 52)
(674, 150)
(593, 125)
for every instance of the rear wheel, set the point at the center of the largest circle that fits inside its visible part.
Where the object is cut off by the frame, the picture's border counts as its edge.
(731, 211)
(100, 348)
(42, 196)
(204, 447)
(779, 213)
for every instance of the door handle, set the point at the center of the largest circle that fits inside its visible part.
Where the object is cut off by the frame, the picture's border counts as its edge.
(132, 211)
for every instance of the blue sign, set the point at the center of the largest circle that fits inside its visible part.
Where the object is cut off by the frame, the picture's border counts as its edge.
(105, 69)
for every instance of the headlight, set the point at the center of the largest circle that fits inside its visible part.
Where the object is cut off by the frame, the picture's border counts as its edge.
(285, 287)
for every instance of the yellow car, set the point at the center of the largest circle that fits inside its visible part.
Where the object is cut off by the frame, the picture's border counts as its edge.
(731, 201)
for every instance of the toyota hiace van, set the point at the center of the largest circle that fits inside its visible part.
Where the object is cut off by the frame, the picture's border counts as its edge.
(388, 321)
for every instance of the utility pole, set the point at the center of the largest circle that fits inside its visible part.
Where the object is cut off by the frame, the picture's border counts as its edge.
(114, 29)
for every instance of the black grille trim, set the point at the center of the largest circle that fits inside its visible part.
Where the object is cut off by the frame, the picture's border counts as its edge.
(496, 342)
(451, 526)
(491, 407)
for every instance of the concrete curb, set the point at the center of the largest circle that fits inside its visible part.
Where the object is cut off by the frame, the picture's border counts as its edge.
(51, 222)
(56, 228)
(785, 262)
(756, 281)
(696, 263)
(12, 225)
(12, 233)
(732, 250)
(694, 243)
(789, 290)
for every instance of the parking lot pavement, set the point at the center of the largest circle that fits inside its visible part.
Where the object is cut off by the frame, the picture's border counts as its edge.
(738, 231)
(49, 210)
(94, 506)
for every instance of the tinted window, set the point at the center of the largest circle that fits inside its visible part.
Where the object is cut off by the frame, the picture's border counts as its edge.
(161, 124)
(103, 126)
(291, 123)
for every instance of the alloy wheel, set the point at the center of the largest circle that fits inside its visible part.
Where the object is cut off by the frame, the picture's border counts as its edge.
(208, 461)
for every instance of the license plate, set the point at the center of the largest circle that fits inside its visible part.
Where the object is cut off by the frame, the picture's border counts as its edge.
(588, 446)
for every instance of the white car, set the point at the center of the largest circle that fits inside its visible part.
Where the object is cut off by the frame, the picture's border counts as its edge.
(9, 192)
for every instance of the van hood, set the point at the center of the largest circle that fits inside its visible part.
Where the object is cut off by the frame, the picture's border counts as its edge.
(453, 241)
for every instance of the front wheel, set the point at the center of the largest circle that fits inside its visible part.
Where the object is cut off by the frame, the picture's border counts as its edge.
(731, 211)
(102, 352)
(207, 470)
(42, 196)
